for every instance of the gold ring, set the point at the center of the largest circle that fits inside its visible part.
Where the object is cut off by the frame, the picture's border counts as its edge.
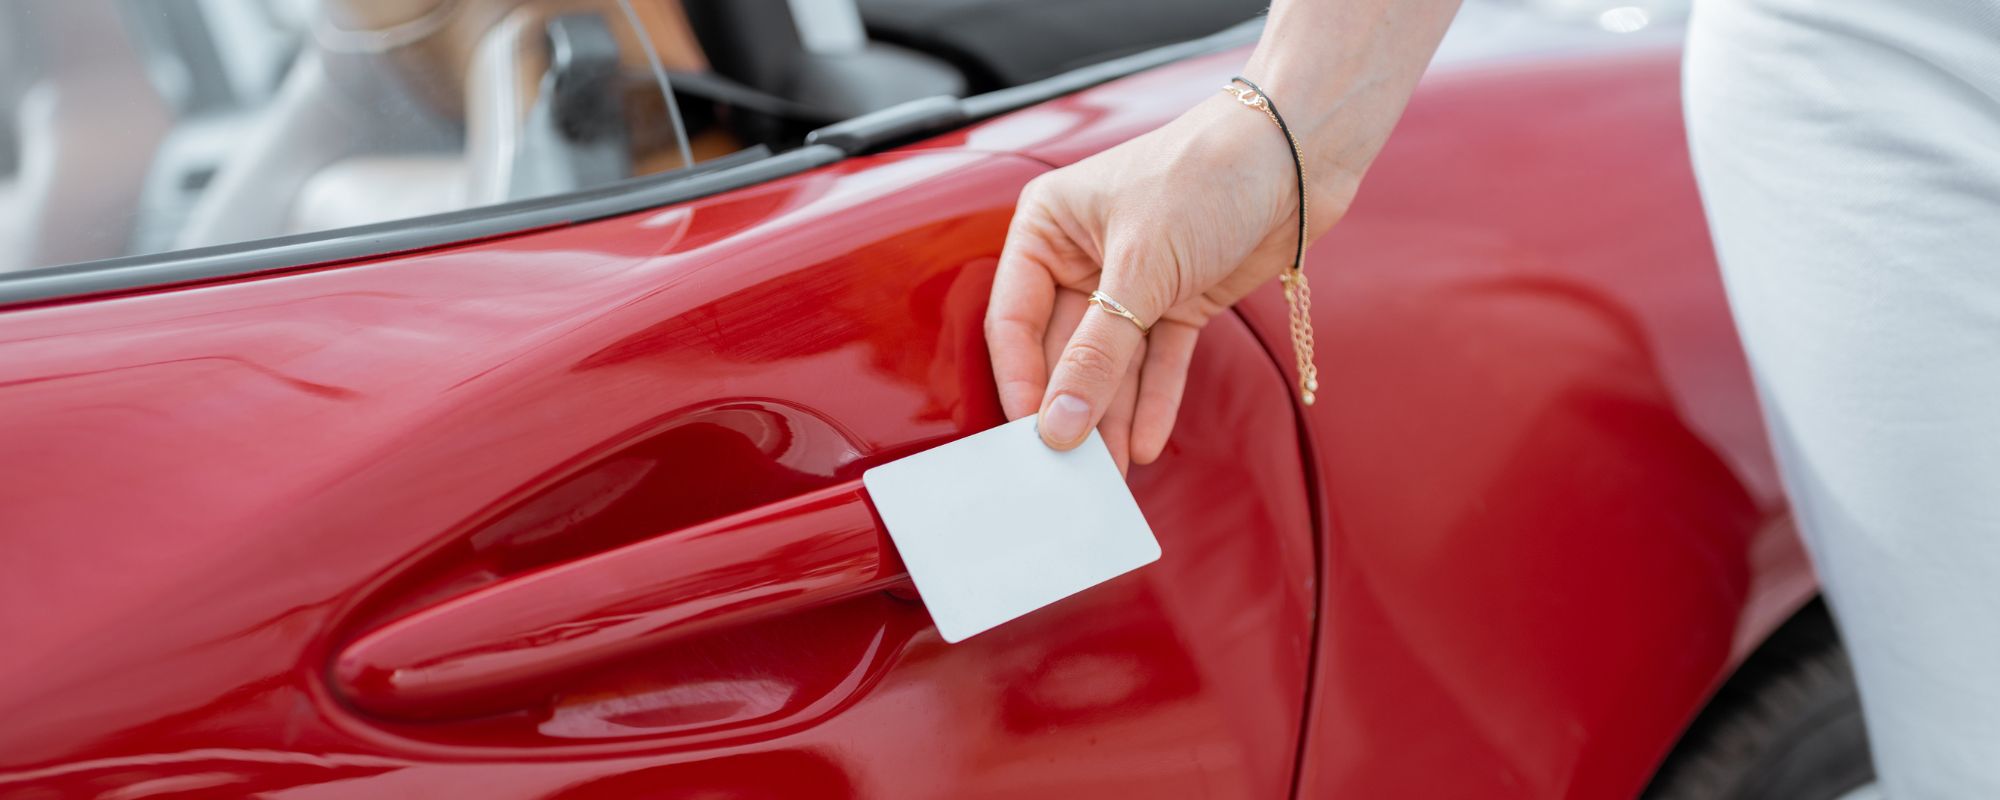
(1104, 301)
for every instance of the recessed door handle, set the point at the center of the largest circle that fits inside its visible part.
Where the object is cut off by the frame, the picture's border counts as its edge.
(506, 644)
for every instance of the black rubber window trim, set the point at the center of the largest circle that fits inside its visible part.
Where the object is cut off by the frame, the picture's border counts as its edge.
(825, 146)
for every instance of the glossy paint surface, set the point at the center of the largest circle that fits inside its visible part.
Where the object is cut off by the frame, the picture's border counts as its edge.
(1544, 517)
(1555, 521)
(1550, 521)
(215, 492)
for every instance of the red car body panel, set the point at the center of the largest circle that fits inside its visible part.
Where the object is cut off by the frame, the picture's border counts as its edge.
(1550, 518)
(1529, 526)
(1555, 523)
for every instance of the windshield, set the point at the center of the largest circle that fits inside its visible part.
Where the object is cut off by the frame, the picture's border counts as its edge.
(144, 126)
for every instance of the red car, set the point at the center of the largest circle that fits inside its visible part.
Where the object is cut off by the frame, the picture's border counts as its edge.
(392, 405)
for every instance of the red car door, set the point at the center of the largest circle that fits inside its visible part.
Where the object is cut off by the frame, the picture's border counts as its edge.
(570, 513)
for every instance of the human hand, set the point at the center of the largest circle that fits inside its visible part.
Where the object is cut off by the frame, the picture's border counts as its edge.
(1176, 225)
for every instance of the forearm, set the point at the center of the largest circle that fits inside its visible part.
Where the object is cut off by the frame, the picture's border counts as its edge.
(1341, 71)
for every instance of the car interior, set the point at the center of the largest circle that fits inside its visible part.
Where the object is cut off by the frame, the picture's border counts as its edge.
(132, 127)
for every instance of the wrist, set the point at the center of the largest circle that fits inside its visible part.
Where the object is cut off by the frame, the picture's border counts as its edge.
(1246, 142)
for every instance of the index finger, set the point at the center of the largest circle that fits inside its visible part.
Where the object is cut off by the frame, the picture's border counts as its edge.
(1024, 297)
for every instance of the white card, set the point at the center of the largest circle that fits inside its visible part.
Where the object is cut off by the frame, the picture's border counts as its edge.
(996, 525)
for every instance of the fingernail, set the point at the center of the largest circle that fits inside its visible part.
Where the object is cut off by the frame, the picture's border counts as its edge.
(1066, 420)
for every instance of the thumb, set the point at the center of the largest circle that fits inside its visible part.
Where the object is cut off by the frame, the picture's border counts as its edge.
(1088, 373)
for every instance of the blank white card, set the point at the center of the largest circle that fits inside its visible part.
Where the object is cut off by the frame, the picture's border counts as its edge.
(996, 525)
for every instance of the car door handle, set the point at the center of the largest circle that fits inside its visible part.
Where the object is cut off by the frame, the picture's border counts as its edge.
(504, 645)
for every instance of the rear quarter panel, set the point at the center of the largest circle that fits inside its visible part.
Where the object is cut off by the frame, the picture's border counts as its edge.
(1549, 521)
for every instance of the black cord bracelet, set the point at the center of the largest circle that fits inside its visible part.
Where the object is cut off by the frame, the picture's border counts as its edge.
(1298, 294)
(1298, 255)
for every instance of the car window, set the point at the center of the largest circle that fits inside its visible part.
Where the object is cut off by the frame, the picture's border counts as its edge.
(133, 127)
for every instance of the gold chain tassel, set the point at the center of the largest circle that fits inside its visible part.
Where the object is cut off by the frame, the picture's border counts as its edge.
(1298, 300)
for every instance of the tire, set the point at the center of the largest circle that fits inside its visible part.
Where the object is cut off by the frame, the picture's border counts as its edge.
(1787, 726)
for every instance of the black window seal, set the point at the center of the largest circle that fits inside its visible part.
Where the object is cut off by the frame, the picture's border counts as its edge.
(256, 256)
(926, 116)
